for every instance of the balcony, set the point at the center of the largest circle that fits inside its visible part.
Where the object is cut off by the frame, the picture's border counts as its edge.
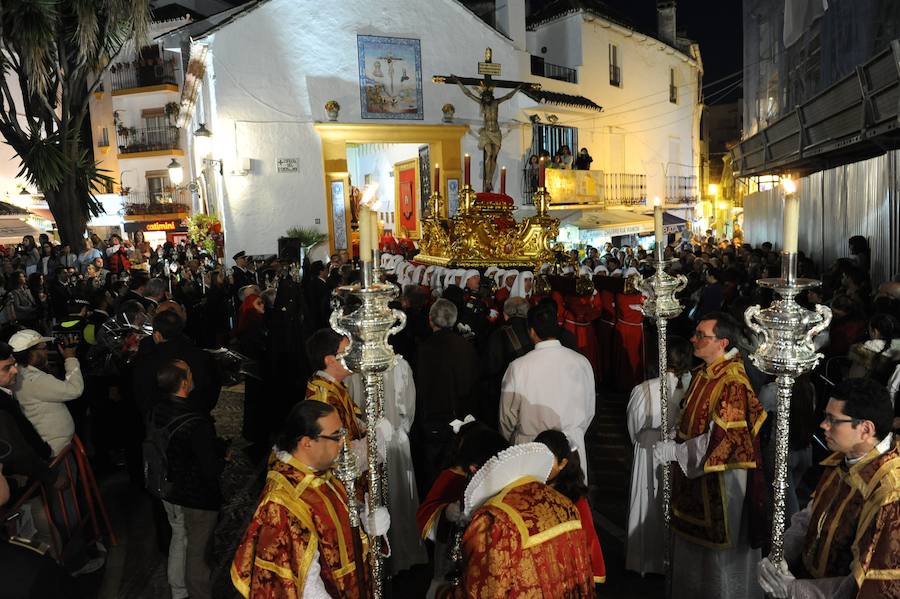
(144, 203)
(588, 188)
(541, 68)
(141, 143)
(140, 76)
(682, 190)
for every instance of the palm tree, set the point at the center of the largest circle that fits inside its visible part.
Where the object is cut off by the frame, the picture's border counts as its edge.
(57, 51)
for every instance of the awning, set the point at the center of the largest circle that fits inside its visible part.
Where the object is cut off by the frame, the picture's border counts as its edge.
(609, 222)
(545, 97)
(12, 229)
(673, 224)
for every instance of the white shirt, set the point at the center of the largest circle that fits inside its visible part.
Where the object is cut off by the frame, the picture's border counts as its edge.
(43, 396)
(550, 387)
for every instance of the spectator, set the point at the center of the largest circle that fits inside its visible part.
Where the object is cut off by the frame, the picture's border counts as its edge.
(87, 255)
(878, 357)
(584, 160)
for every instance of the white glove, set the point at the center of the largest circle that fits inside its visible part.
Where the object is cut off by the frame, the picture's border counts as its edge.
(664, 451)
(384, 432)
(360, 450)
(775, 583)
(452, 512)
(377, 523)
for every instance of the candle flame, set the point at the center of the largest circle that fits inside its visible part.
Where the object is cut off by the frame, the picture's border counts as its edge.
(788, 185)
(657, 201)
(368, 195)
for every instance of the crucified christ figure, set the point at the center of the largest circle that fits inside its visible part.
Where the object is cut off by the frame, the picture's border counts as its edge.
(489, 136)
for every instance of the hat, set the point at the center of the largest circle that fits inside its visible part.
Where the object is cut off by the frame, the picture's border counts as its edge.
(26, 339)
(240, 254)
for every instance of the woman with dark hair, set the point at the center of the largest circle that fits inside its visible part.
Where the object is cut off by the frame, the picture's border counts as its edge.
(567, 477)
(860, 253)
(252, 341)
(877, 357)
(847, 326)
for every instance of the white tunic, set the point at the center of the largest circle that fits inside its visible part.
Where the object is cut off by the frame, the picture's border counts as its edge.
(550, 387)
(407, 548)
(644, 552)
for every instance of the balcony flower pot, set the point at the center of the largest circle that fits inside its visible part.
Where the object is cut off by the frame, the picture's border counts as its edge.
(449, 110)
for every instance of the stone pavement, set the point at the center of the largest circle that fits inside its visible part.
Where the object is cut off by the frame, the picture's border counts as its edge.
(136, 568)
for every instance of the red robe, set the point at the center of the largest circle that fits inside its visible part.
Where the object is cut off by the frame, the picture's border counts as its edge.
(720, 393)
(581, 312)
(629, 360)
(526, 541)
(336, 395)
(598, 565)
(449, 487)
(300, 512)
(854, 527)
(606, 333)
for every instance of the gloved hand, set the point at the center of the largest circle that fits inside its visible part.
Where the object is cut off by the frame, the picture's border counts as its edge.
(664, 451)
(452, 512)
(775, 583)
(377, 523)
(384, 432)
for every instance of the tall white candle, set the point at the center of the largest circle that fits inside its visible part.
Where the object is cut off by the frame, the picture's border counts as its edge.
(365, 234)
(791, 217)
(658, 228)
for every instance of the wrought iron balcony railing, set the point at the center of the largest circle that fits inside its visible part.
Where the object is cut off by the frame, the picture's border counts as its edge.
(132, 141)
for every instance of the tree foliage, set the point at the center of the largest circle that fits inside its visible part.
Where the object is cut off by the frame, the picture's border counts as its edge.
(58, 51)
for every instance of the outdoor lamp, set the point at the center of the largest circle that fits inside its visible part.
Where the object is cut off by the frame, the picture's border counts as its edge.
(176, 172)
(202, 138)
(713, 189)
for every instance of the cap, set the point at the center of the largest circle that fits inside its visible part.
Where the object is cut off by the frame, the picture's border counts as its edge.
(240, 254)
(26, 339)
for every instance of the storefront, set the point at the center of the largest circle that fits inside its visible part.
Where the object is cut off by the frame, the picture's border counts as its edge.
(158, 232)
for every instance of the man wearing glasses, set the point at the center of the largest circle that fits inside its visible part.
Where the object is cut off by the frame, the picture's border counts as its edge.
(299, 542)
(717, 533)
(845, 543)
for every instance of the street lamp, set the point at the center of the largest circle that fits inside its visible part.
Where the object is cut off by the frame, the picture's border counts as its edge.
(176, 173)
(203, 138)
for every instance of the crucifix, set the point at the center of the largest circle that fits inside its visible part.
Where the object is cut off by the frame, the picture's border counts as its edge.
(489, 135)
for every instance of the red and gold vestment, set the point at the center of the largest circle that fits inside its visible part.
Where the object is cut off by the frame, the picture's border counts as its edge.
(854, 526)
(448, 488)
(720, 394)
(301, 512)
(526, 542)
(336, 395)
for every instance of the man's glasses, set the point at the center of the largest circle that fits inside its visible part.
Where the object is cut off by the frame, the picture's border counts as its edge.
(698, 336)
(337, 438)
(831, 420)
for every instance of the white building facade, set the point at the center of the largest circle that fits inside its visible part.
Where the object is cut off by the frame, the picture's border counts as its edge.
(265, 72)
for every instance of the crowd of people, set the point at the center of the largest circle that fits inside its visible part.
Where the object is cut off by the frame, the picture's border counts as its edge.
(487, 409)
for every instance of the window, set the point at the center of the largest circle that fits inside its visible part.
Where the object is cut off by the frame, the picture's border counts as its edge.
(615, 73)
(103, 142)
(159, 187)
(673, 88)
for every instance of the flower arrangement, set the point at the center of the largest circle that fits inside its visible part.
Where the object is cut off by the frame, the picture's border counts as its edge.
(203, 229)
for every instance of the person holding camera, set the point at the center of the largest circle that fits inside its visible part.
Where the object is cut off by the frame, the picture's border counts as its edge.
(41, 395)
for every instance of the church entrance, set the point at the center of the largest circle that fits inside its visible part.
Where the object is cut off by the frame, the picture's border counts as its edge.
(400, 158)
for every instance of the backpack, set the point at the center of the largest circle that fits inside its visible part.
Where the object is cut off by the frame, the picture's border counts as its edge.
(156, 459)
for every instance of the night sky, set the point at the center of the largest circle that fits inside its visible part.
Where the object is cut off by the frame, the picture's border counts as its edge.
(714, 24)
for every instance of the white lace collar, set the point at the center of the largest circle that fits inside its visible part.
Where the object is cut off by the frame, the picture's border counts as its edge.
(528, 459)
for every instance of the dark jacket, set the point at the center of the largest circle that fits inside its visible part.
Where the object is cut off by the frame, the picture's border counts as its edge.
(30, 454)
(195, 462)
(446, 380)
(508, 342)
(152, 356)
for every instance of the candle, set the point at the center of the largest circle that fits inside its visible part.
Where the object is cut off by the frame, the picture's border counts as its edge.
(468, 170)
(437, 178)
(542, 172)
(373, 221)
(365, 234)
(503, 180)
(658, 227)
(791, 218)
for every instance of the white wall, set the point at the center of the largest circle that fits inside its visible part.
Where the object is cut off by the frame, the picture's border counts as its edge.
(274, 70)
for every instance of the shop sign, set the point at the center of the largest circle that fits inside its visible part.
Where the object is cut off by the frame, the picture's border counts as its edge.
(162, 225)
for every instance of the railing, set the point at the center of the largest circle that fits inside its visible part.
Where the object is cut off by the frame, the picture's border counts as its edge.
(588, 187)
(133, 140)
(541, 68)
(143, 73)
(682, 190)
(164, 202)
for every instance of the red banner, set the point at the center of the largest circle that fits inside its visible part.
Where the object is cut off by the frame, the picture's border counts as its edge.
(407, 201)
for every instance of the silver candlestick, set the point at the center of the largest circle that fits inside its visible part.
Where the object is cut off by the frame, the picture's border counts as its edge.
(368, 328)
(661, 304)
(786, 352)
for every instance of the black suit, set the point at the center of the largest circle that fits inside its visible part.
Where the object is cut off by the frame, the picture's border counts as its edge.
(446, 383)
(152, 356)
